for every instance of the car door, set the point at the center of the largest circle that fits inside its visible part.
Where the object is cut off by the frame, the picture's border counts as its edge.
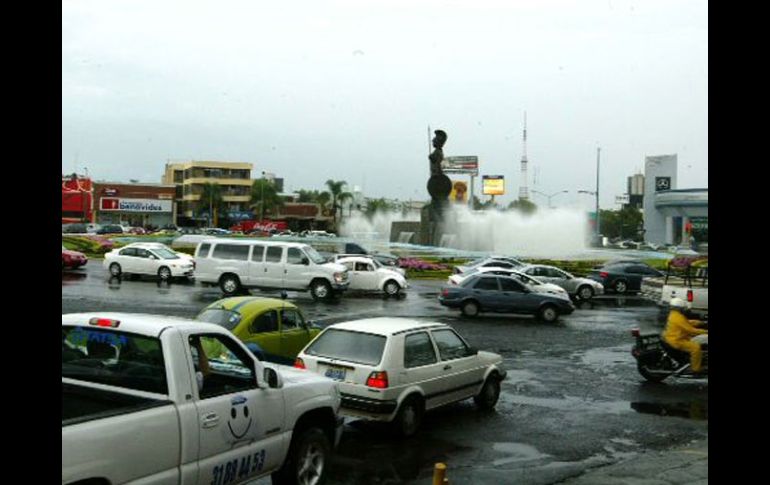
(240, 424)
(295, 333)
(273, 267)
(363, 276)
(421, 367)
(516, 298)
(144, 262)
(126, 258)
(487, 292)
(462, 375)
(256, 266)
(635, 275)
(264, 330)
(296, 270)
(564, 280)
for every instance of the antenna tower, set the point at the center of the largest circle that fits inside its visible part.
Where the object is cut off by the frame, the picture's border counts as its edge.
(523, 189)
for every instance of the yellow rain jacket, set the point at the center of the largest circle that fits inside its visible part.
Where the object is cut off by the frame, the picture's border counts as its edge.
(679, 330)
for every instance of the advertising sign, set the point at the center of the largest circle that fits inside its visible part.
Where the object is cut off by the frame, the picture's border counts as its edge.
(459, 192)
(493, 185)
(134, 205)
(622, 199)
(467, 165)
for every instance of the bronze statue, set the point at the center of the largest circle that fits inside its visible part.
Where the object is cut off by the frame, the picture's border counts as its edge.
(439, 185)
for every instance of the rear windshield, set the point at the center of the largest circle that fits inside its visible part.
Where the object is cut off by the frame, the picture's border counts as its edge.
(114, 358)
(219, 316)
(357, 347)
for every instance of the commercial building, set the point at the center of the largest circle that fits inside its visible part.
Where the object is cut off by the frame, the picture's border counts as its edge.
(635, 191)
(189, 179)
(136, 205)
(671, 215)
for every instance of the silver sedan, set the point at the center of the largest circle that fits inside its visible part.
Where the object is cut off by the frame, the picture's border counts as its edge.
(581, 288)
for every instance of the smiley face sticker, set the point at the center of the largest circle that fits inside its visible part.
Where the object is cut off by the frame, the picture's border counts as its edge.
(240, 419)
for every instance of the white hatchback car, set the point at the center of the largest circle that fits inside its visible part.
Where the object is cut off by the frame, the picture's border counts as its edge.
(164, 263)
(395, 369)
(536, 285)
(368, 274)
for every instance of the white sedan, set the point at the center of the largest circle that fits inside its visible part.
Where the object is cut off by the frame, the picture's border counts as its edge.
(395, 369)
(536, 285)
(367, 274)
(157, 245)
(164, 263)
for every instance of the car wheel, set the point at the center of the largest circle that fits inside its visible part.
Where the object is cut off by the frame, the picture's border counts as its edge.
(548, 314)
(229, 284)
(115, 269)
(164, 273)
(487, 398)
(585, 292)
(409, 417)
(620, 286)
(470, 308)
(306, 461)
(321, 290)
(392, 288)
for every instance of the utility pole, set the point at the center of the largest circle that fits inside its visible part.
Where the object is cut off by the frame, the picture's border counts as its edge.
(598, 152)
(262, 204)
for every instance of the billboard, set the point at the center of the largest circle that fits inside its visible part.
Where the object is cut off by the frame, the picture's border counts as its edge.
(493, 185)
(135, 205)
(467, 165)
(459, 192)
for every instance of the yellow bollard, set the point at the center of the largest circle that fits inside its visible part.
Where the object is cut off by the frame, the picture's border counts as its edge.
(439, 474)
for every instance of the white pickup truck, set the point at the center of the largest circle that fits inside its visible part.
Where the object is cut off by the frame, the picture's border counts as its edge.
(686, 278)
(160, 400)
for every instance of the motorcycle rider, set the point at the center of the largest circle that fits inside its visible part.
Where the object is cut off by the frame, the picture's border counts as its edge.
(680, 331)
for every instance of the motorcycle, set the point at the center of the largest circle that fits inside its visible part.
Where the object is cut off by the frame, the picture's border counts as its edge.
(656, 360)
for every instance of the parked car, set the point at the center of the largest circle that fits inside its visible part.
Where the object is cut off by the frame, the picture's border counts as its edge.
(239, 264)
(72, 259)
(145, 401)
(276, 328)
(395, 369)
(503, 294)
(534, 283)
(164, 263)
(76, 228)
(157, 245)
(492, 261)
(581, 288)
(366, 274)
(111, 229)
(624, 277)
(215, 231)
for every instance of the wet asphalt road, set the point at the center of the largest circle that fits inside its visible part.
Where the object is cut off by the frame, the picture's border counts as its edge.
(572, 399)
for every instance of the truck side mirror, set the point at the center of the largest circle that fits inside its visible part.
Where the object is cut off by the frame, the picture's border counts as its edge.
(305, 261)
(273, 378)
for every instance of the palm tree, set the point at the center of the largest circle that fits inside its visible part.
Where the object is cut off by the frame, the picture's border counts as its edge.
(211, 201)
(339, 196)
(265, 196)
(322, 199)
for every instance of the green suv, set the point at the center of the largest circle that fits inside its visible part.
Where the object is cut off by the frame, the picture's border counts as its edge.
(275, 330)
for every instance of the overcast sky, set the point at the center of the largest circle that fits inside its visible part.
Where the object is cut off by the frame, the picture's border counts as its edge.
(312, 90)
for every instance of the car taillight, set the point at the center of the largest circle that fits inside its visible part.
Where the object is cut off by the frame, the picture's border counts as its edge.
(603, 274)
(378, 380)
(299, 363)
(689, 296)
(634, 332)
(445, 292)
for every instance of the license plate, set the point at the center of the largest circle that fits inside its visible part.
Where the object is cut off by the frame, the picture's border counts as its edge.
(336, 373)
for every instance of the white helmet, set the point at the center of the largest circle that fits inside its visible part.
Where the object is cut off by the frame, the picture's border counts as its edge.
(677, 303)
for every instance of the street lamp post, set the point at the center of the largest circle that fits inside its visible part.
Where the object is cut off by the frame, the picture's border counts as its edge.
(262, 203)
(550, 196)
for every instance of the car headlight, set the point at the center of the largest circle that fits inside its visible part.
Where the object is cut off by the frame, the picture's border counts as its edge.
(340, 277)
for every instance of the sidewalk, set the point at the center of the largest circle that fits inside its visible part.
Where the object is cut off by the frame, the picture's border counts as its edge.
(687, 464)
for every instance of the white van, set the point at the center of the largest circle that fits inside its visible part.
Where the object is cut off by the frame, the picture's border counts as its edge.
(236, 264)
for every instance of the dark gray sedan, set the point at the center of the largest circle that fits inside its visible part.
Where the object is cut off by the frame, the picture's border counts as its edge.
(491, 293)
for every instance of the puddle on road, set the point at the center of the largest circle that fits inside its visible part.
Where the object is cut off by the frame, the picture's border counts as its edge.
(697, 410)
(517, 453)
(567, 403)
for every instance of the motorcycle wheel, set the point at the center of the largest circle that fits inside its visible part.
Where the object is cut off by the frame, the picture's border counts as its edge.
(648, 375)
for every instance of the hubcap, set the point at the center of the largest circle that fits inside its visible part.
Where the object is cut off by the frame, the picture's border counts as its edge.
(471, 309)
(391, 288)
(230, 285)
(311, 466)
(164, 273)
(620, 287)
(585, 294)
(114, 269)
(321, 291)
(549, 314)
